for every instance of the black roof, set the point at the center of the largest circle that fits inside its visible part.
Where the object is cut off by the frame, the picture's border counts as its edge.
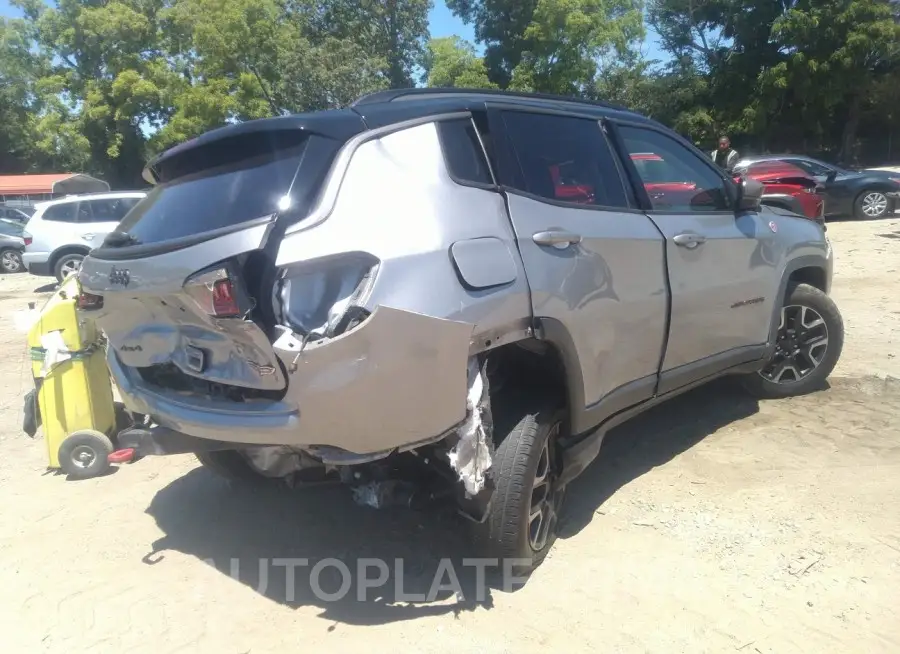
(392, 95)
(377, 110)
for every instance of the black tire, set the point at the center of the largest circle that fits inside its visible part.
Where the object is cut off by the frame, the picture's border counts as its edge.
(506, 531)
(804, 295)
(11, 261)
(83, 454)
(64, 262)
(230, 465)
(858, 205)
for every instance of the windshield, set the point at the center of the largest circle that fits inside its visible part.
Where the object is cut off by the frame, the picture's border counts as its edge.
(211, 199)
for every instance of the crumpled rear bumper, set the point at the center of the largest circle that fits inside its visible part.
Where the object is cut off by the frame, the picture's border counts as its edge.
(397, 381)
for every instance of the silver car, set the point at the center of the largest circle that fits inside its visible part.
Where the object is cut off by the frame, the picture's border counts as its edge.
(476, 282)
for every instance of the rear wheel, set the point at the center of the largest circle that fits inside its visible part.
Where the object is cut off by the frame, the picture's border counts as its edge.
(11, 261)
(524, 513)
(66, 265)
(870, 205)
(807, 348)
(229, 465)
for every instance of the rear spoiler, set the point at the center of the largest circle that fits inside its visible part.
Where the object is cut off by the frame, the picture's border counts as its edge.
(277, 133)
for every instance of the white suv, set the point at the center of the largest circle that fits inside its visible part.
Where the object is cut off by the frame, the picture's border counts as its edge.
(61, 232)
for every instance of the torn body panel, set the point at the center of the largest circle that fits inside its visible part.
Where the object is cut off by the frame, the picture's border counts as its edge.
(472, 455)
(398, 378)
(412, 240)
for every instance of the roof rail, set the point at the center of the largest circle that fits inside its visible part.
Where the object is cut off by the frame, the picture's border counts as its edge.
(392, 94)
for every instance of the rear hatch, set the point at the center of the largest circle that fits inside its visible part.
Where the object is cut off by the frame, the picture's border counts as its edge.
(183, 287)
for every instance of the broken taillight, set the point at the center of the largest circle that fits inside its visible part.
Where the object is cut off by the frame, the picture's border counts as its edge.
(224, 302)
(215, 292)
(89, 301)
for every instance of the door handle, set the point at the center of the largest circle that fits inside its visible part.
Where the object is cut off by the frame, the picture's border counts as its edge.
(689, 240)
(556, 238)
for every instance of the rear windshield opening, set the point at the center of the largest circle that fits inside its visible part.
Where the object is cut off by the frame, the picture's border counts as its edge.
(243, 184)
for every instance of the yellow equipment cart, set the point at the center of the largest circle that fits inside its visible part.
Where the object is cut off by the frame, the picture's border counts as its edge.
(73, 393)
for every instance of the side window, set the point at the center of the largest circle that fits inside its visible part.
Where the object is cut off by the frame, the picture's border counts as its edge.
(809, 166)
(61, 213)
(127, 205)
(85, 213)
(565, 159)
(673, 176)
(462, 151)
(111, 210)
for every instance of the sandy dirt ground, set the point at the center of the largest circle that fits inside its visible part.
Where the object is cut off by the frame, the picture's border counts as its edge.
(712, 524)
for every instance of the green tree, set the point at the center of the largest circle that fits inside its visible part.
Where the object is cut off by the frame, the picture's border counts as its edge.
(100, 83)
(394, 32)
(556, 46)
(500, 26)
(249, 59)
(18, 70)
(452, 62)
(835, 54)
(788, 74)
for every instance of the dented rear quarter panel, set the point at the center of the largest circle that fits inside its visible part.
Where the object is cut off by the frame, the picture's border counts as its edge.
(447, 282)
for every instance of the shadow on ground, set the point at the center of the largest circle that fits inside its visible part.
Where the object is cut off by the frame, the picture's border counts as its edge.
(653, 439)
(251, 534)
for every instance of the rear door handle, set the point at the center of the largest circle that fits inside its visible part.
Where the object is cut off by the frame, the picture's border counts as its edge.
(689, 240)
(556, 238)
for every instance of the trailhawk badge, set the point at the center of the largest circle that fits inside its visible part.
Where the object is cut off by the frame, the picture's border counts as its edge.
(119, 277)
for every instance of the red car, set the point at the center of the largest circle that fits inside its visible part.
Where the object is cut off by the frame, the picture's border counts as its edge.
(786, 186)
(789, 187)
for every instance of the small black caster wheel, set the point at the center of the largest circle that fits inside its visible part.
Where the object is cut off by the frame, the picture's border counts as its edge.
(84, 454)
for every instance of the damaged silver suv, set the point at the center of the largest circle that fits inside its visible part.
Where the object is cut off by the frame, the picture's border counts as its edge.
(474, 284)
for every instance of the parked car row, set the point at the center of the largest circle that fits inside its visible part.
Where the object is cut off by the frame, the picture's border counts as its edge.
(863, 194)
(61, 232)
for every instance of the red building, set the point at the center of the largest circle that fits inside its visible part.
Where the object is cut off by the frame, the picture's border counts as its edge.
(25, 190)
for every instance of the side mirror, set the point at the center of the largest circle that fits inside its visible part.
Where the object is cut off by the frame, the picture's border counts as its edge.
(831, 176)
(750, 194)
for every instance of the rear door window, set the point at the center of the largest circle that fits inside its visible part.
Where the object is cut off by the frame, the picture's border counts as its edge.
(214, 198)
(565, 159)
(62, 213)
(111, 209)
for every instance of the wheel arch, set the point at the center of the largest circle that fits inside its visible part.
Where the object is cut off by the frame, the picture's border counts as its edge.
(60, 252)
(807, 269)
(547, 364)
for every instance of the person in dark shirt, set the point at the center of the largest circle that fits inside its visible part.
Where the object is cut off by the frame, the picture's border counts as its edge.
(726, 156)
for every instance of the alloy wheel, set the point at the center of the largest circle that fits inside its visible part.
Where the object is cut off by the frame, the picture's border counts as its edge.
(70, 267)
(546, 497)
(800, 347)
(11, 262)
(874, 204)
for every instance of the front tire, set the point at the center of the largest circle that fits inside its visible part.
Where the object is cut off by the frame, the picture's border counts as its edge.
(870, 205)
(807, 348)
(523, 518)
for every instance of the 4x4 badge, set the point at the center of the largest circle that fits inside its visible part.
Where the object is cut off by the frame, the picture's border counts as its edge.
(120, 277)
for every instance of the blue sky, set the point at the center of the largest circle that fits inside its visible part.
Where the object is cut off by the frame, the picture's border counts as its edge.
(441, 21)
